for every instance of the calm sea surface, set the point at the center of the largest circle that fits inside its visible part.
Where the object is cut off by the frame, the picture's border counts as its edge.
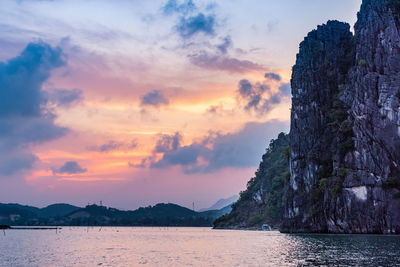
(120, 246)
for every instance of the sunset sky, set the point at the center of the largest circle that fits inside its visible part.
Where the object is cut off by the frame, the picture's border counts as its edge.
(135, 102)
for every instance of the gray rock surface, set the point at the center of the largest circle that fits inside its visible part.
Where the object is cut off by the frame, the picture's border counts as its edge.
(345, 128)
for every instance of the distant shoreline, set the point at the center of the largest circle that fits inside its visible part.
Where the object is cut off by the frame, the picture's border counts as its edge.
(27, 227)
(302, 233)
(7, 227)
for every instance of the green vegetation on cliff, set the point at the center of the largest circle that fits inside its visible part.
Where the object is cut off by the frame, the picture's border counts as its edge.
(262, 201)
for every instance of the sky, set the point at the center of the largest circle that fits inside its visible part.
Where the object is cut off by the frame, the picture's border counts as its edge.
(138, 102)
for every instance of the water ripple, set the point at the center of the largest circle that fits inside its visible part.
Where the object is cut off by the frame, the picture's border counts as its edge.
(124, 246)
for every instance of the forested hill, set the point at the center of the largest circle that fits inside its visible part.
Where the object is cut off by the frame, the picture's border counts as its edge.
(262, 201)
(94, 215)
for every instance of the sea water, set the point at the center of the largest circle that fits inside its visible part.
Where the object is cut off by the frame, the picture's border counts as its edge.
(161, 246)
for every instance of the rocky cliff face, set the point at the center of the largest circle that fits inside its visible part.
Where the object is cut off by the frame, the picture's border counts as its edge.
(345, 128)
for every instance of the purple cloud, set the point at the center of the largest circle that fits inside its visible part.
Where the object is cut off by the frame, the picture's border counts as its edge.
(215, 151)
(70, 167)
(154, 98)
(223, 63)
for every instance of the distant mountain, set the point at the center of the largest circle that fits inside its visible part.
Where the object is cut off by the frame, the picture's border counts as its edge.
(158, 215)
(57, 210)
(222, 203)
(65, 214)
(216, 213)
(13, 213)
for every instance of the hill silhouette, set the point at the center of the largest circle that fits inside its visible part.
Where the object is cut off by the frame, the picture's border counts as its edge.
(64, 214)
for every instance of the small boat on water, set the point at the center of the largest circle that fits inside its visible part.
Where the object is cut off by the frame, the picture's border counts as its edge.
(266, 227)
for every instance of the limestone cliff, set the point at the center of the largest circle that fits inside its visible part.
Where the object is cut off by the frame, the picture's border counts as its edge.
(345, 127)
